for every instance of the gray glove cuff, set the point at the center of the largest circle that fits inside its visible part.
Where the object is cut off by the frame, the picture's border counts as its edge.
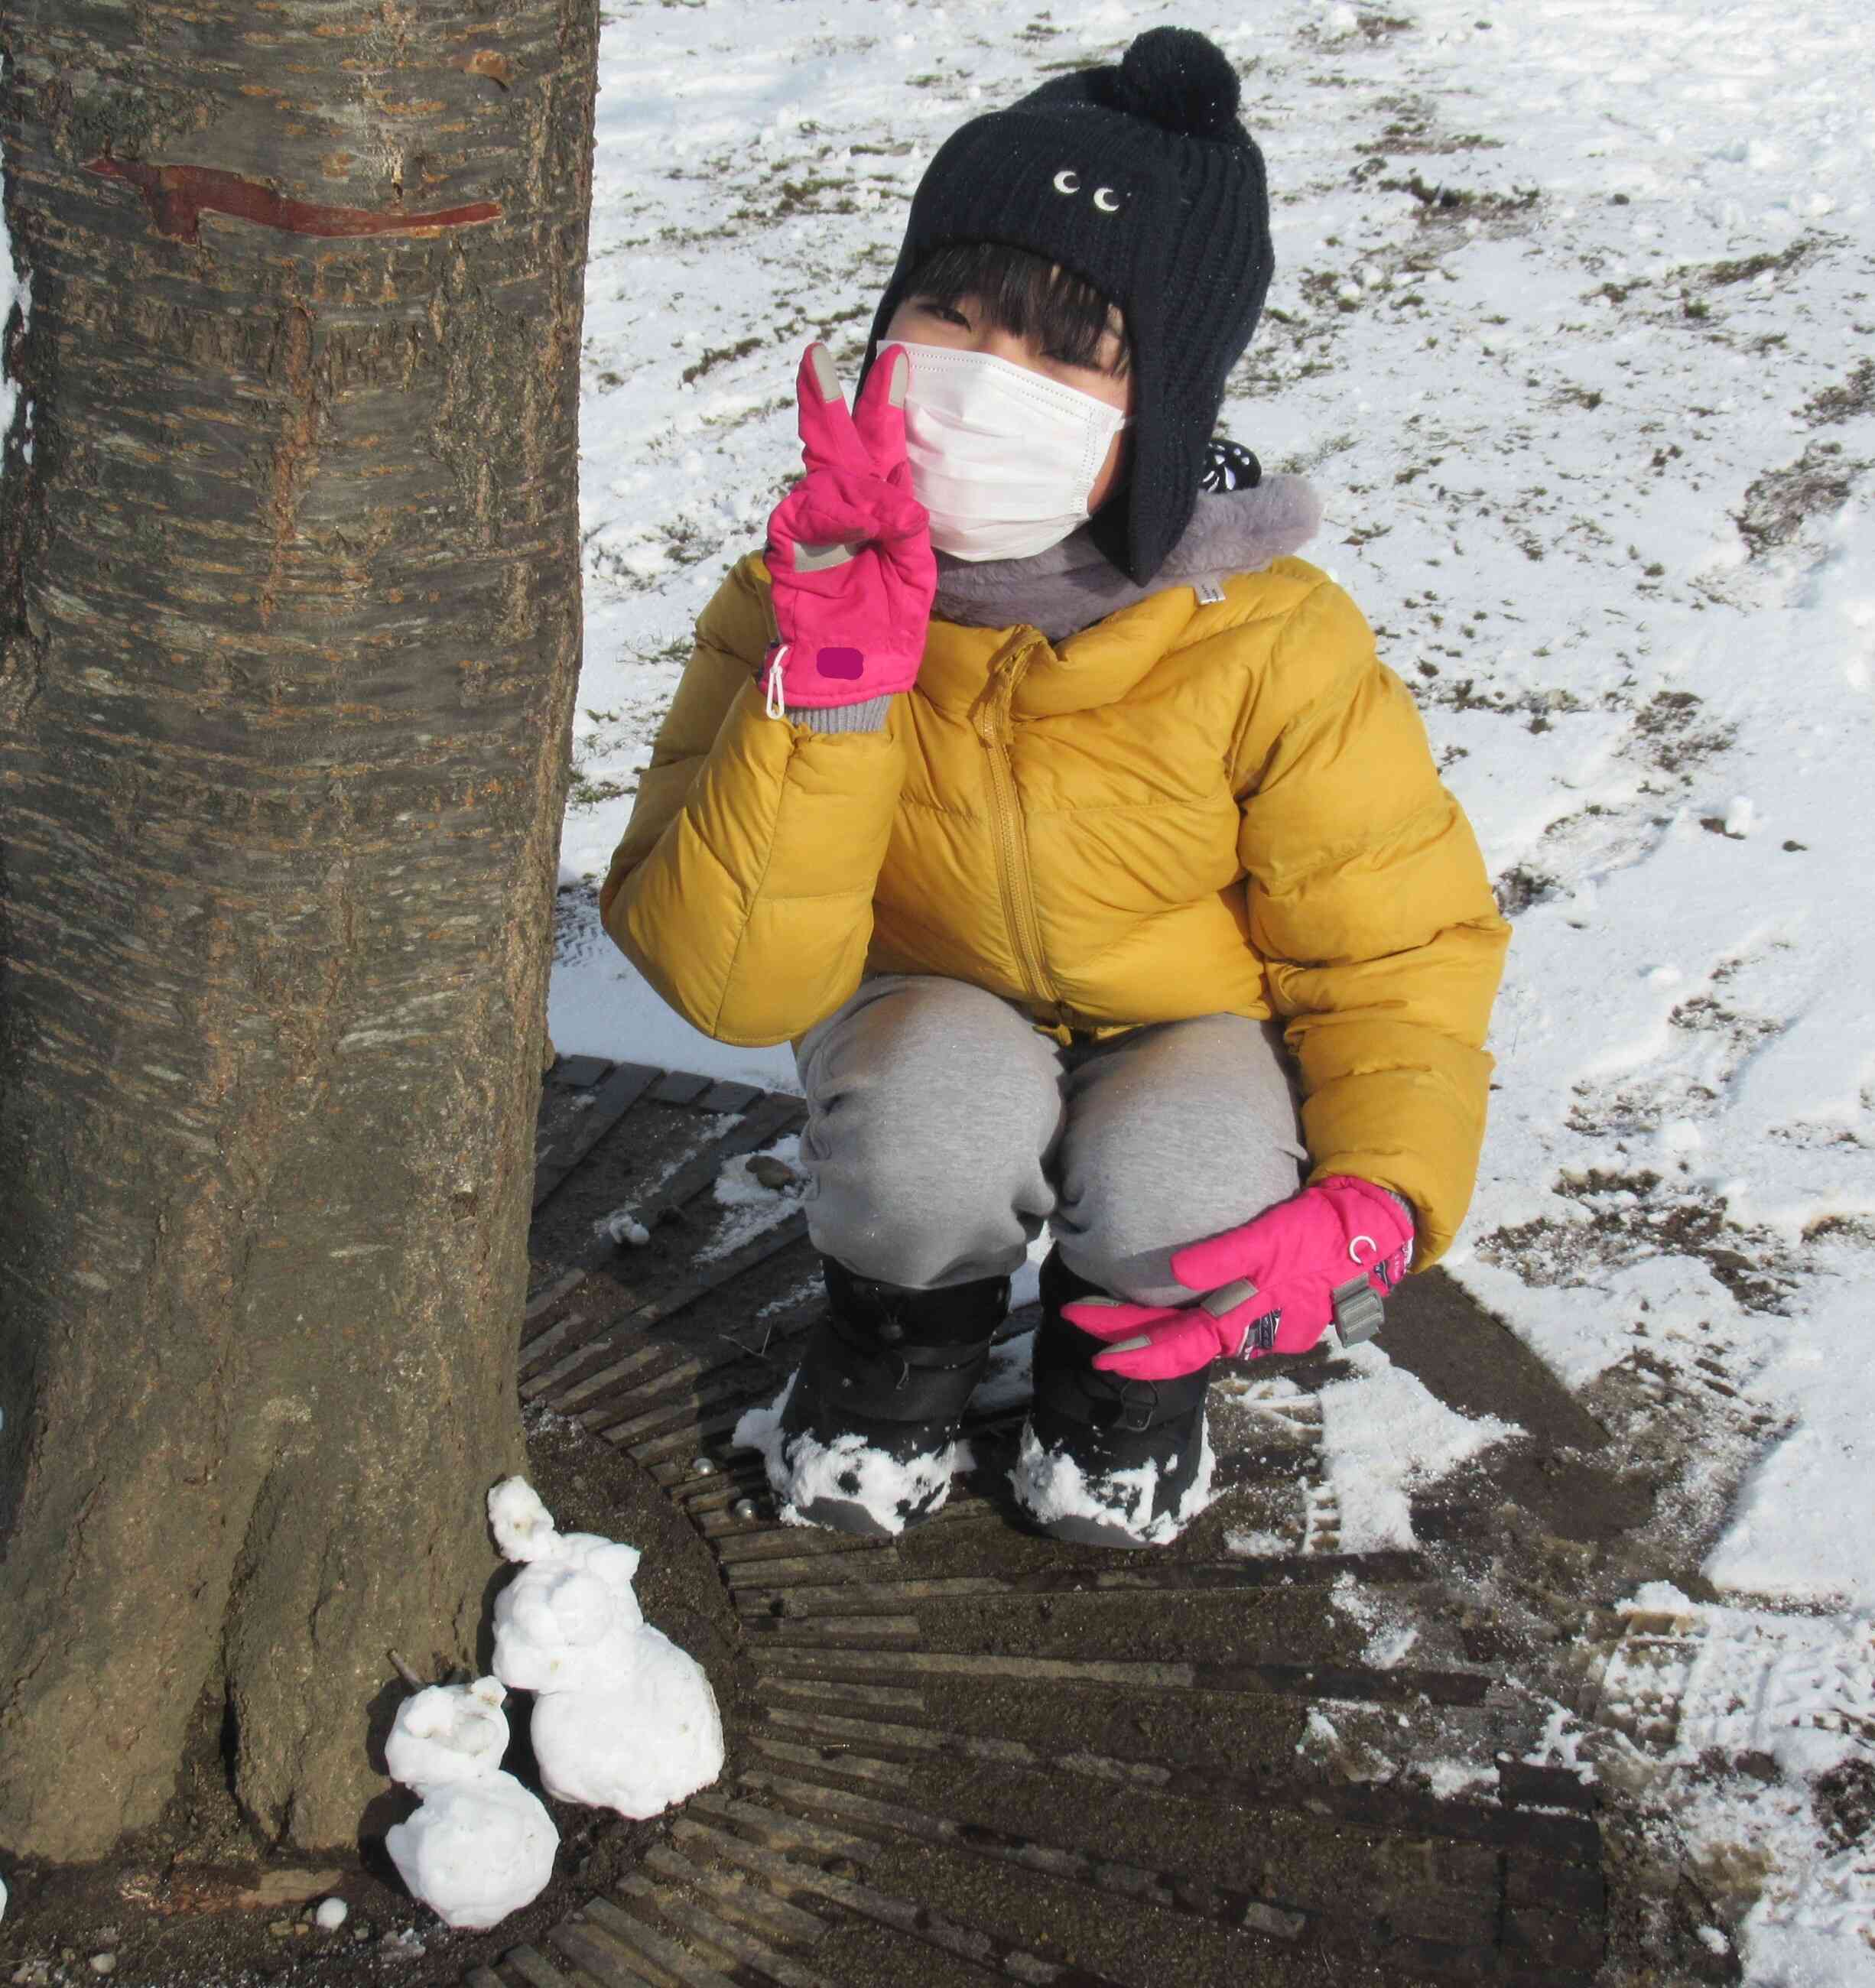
(867, 717)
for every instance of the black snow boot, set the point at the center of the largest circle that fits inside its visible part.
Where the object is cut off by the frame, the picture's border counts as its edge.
(1106, 1461)
(864, 1443)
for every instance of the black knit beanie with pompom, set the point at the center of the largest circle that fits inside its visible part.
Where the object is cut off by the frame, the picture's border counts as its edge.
(1141, 179)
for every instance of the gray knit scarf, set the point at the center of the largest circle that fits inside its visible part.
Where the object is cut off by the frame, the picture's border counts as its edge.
(1072, 585)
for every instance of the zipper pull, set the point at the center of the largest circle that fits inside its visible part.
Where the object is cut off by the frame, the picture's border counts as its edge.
(983, 714)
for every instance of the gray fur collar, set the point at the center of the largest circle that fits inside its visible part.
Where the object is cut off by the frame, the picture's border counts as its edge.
(1071, 585)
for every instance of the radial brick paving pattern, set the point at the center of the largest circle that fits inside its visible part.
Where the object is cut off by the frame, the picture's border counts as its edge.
(975, 1754)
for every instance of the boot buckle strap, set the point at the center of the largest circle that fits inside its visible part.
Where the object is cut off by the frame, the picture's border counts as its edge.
(1138, 1406)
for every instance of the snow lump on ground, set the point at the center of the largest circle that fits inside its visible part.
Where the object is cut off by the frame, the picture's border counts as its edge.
(623, 1718)
(475, 1850)
(480, 1846)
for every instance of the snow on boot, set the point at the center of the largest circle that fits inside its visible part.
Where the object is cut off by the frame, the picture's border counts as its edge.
(867, 1431)
(1104, 1461)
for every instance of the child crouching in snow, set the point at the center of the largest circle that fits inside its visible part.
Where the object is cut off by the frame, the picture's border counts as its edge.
(1027, 782)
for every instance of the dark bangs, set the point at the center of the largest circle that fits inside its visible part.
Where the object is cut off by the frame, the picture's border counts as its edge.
(1025, 295)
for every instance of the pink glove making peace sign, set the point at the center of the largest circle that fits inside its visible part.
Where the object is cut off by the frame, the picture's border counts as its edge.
(849, 547)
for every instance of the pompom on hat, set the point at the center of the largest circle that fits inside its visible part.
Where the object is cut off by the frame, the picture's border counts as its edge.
(1141, 178)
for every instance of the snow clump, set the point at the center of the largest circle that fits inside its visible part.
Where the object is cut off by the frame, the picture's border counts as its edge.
(803, 1471)
(450, 1732)
(522, 1526)
(570, 1622)
(480, 1846)
(1052, 1486)
(623, 1718)
(623, 1228)
(475, 1850)
(639, 1747)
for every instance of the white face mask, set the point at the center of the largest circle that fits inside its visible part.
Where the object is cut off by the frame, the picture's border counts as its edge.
(1002, 458)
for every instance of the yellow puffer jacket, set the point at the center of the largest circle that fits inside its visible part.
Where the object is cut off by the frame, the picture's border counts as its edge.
(1185, 810)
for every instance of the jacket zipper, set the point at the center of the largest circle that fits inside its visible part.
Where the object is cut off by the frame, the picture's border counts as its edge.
(994, 727)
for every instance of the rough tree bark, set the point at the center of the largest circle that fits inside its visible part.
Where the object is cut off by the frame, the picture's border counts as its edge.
(289, 598)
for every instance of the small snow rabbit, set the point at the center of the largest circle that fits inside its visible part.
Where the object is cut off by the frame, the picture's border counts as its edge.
(1070, 825)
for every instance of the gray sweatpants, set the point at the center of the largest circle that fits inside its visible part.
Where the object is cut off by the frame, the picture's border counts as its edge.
(943, 1129)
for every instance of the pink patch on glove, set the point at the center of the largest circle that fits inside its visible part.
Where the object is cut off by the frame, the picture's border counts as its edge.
(1269, 1286)
(850, 562)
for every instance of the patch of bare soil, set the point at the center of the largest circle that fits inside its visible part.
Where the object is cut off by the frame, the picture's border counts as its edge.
(197, 1901)
(1633, 1215)
(1780, 503)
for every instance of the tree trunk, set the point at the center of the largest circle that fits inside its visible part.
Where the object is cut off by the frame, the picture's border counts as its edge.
(290, 597)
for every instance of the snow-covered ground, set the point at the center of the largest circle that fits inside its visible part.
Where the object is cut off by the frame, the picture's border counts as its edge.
(1574, 325)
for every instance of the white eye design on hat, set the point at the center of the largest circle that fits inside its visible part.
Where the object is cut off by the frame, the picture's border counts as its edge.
(1106, 198)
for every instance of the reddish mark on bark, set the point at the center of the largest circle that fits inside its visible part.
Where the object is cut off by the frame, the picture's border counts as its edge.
(178, 196)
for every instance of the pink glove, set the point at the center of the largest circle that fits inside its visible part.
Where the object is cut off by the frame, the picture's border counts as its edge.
(1271, 1285)
(849, 547)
